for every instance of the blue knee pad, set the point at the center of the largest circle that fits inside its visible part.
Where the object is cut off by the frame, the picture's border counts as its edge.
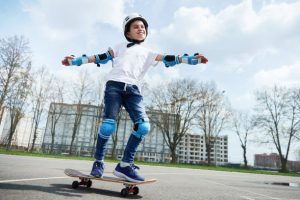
(107, 128)
(141, 128)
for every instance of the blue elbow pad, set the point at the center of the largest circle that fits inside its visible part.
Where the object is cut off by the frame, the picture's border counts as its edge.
(102, 58)
(80, 60)
(170, 60)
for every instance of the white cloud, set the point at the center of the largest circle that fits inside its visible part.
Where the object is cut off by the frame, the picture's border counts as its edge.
(234, 35)
(66, 19)
(160, 75)
(59, 28)
(191, 25)
(243, 102)
(238, 62)
(200, 25)
(284, 76)
(281, 14)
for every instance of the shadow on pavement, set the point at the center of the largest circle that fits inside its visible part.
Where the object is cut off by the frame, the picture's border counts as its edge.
(63, 189)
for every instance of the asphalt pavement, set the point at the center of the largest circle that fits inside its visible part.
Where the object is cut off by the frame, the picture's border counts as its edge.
(35, 178)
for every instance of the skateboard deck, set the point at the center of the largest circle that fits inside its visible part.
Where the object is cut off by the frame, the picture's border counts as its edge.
(86, 180)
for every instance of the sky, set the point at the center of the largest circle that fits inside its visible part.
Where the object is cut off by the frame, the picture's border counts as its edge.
(250, 44)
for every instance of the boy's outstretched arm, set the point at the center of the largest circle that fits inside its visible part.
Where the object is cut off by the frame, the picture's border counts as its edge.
(171, 60)
(84, 59)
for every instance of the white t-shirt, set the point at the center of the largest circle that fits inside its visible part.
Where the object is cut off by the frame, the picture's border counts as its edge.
(131, 64)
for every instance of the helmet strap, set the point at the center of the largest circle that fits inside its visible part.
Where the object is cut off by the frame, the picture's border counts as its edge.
(133, 42)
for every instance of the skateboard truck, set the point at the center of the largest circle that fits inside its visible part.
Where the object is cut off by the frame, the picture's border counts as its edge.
(83, 181)
(129, 189)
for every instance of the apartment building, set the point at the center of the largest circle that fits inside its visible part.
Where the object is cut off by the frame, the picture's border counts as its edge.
(152, 149)
(272, 161)
(192, 150)
(264, 160)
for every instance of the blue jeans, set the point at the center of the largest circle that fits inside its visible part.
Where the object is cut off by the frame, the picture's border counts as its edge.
(118, 94)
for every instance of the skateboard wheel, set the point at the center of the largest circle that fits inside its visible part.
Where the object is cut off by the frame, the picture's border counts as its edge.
(124, 192)
(135, 190)
(75, 184)
(89, 183)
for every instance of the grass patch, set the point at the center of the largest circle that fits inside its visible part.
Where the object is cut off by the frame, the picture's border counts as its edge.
(187, 166)
(44, 155)
(220, 168)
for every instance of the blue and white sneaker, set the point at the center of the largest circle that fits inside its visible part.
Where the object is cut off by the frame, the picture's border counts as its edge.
(98, 169)
(129, 173)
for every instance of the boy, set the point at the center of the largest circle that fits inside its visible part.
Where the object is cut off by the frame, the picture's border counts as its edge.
(130, 63)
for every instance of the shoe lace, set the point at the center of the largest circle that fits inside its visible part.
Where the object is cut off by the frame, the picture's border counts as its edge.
(98, 164)
(134, 167)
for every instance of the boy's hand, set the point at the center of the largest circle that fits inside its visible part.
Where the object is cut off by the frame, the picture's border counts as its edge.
(201, 58)
(67, 61)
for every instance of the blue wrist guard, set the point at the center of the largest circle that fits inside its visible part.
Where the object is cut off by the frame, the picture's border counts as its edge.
(80, 60)
(170, 60)
(102, 58)
(191, 60)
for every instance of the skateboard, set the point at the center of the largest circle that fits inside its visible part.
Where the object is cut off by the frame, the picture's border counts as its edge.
(86, 180)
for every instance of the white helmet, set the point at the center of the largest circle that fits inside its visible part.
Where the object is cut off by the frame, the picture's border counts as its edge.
(129, 19)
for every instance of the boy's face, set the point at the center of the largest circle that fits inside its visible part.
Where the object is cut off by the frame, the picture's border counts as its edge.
(137, 30)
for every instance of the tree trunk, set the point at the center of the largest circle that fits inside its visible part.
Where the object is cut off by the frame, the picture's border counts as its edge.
(208, 151)
(73, 138)
(34, 139)
(284, 168)
(52, 134)
(76, 126)
(52, 143)
(8, 145)
(15, 118)
(10, 133)
(245, 156)
(173, 155)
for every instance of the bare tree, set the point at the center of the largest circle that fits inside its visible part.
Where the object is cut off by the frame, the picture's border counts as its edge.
(213, 116)
(296, 97)
(177, 103)
(14, 55)
(16, 100)
(99, 99)
(277, 116)
(242, 125)
(39, 95)
(56, 108)
(82, 90)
